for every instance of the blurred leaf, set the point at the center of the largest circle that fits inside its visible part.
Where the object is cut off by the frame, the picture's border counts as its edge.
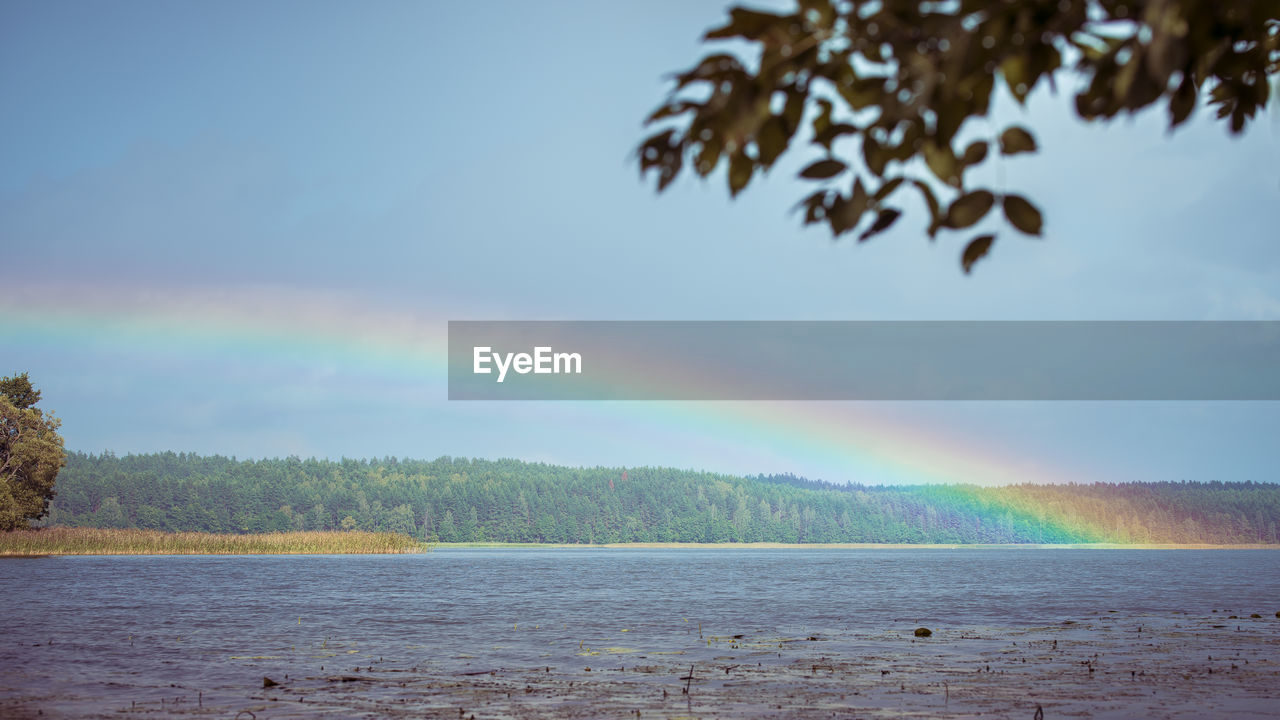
(814, 206)
(1017, 75)
(709, 156)
(1016, 140)
(1022, 214)
(975, 251)
(823, 169)
(740, 168)
(942, 161)
(1045, 60)
(832, 131)
(839, 217)
(745, 23)
(671, 109)
(847, 212)
(793, 109)
(859, 202)
(862, 93)
(874, 155)
(772, 139)
(661, 152)
(975, 153)
(951, 116)
(908, 146)
(884, 219)
(931, 201)
(969, 209)
(822, 120)
(887, 189)
(717, 67)
(1182, 102)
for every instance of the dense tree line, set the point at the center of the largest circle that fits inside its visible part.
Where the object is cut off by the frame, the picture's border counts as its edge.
(459, 500)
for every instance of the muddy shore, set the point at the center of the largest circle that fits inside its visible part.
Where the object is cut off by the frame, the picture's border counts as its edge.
(1106, 666)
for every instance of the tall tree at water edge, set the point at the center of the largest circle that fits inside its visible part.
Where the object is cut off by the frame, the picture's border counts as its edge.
(31, 453)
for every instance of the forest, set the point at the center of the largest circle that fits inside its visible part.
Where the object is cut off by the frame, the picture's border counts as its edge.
(468, 500)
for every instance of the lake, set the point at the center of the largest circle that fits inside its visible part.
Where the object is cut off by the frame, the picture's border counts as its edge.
(615, 632)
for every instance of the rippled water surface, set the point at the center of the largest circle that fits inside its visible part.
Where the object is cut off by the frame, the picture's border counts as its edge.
(108, 632)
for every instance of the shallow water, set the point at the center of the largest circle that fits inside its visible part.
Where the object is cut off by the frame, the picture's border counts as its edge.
(89, 636)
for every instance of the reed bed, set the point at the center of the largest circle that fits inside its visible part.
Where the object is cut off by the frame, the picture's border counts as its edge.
(99, 541)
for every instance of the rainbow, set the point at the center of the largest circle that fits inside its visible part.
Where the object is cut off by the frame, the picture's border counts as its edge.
(300, 329)
(1040, 513)
(264, 322)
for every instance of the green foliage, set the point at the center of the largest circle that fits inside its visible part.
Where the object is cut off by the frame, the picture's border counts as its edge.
(31, 454)
(459, 500)
(902, 78)
(19, 391)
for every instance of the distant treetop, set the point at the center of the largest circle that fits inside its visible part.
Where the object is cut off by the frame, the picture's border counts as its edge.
(19, 391)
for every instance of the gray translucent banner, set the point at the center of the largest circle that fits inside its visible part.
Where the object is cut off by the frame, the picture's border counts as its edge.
(771, 360)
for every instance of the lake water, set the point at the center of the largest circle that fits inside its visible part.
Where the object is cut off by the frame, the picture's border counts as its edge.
(92, 636)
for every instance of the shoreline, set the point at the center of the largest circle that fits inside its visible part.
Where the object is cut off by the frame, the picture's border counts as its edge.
(427, 548)
(95, 542)
(851, 546)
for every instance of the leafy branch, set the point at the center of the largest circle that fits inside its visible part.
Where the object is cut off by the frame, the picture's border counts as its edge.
(901, 79)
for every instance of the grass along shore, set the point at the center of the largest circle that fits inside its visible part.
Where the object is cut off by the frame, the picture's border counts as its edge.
(97, 541)
(102, 541)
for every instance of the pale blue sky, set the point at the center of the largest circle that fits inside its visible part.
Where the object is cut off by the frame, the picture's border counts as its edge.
(466, 160)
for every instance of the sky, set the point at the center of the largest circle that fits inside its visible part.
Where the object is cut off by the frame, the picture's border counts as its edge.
(241, 228)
